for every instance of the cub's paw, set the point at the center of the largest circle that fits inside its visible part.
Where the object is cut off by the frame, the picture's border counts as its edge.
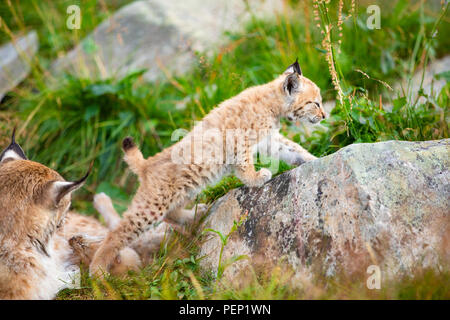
(297, 160)
(84, 247)
(101, 200)
(308, 157)
(263, 176)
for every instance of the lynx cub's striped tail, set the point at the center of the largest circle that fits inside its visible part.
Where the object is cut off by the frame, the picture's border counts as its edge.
(133, 156)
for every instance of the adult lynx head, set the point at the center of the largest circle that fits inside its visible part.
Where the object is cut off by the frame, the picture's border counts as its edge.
(303, 99)
(33, 199)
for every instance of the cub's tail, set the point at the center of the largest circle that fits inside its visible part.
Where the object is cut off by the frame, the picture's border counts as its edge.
(133, 156)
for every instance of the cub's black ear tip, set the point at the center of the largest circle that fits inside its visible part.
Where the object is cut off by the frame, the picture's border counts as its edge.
(128, 143)
(297, 67)
(13, 137)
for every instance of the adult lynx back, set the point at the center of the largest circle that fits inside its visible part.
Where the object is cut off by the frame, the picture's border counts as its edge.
(223, 142)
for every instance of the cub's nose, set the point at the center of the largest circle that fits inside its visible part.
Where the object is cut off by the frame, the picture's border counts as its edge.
(323, 115)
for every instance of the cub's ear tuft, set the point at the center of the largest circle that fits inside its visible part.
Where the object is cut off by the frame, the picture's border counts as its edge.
(128, 144)
(13, 151)
(294, 68)
(59, 189)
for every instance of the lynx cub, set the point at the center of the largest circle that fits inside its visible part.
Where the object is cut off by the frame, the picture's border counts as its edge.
(223, 142)
(39, 252)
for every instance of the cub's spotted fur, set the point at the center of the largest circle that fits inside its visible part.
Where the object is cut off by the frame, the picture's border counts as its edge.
(222, 143)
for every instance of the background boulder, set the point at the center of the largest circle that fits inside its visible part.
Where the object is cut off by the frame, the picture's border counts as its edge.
(15, 61)
(158, 35)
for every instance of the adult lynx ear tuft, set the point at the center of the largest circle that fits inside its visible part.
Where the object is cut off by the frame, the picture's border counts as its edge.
(13, 151)
(59, 189)
(294, 68)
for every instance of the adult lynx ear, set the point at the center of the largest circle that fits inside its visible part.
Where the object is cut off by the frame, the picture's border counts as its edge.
(13, 151)
(294, 68)
(59, 189)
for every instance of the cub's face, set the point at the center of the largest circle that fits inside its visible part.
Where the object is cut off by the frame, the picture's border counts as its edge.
(33, 197)
(303, 99)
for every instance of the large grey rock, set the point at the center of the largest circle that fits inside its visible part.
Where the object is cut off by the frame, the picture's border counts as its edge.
(15, 61)
(158, 35)
(385, 204)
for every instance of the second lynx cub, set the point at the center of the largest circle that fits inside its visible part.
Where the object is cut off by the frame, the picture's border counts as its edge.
(222, 143)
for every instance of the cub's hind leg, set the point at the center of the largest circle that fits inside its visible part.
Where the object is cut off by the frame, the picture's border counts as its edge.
(104, 206)
(85, 246)
(145, 210)
(182, 219)
(145, 246)
(179, 218)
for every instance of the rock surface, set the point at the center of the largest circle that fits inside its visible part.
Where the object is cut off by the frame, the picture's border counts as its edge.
(385, 204)
(15, 61)
(158, 35)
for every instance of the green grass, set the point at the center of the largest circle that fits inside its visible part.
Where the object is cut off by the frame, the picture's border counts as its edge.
(363, 120)
(48, 18)
(68, 125)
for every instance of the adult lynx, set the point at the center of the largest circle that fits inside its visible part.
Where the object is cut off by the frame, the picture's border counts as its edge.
(223, 142)
(40, 248)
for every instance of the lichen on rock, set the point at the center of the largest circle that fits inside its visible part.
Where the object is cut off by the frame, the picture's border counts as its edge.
(384, 204)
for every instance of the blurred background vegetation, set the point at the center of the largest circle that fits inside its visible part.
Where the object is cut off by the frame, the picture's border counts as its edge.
(73, 121)
(68, 125)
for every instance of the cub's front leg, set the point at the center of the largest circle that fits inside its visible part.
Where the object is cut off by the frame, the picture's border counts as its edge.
(293, 152)
(243, 165)
(246, 172)
(278, 146)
